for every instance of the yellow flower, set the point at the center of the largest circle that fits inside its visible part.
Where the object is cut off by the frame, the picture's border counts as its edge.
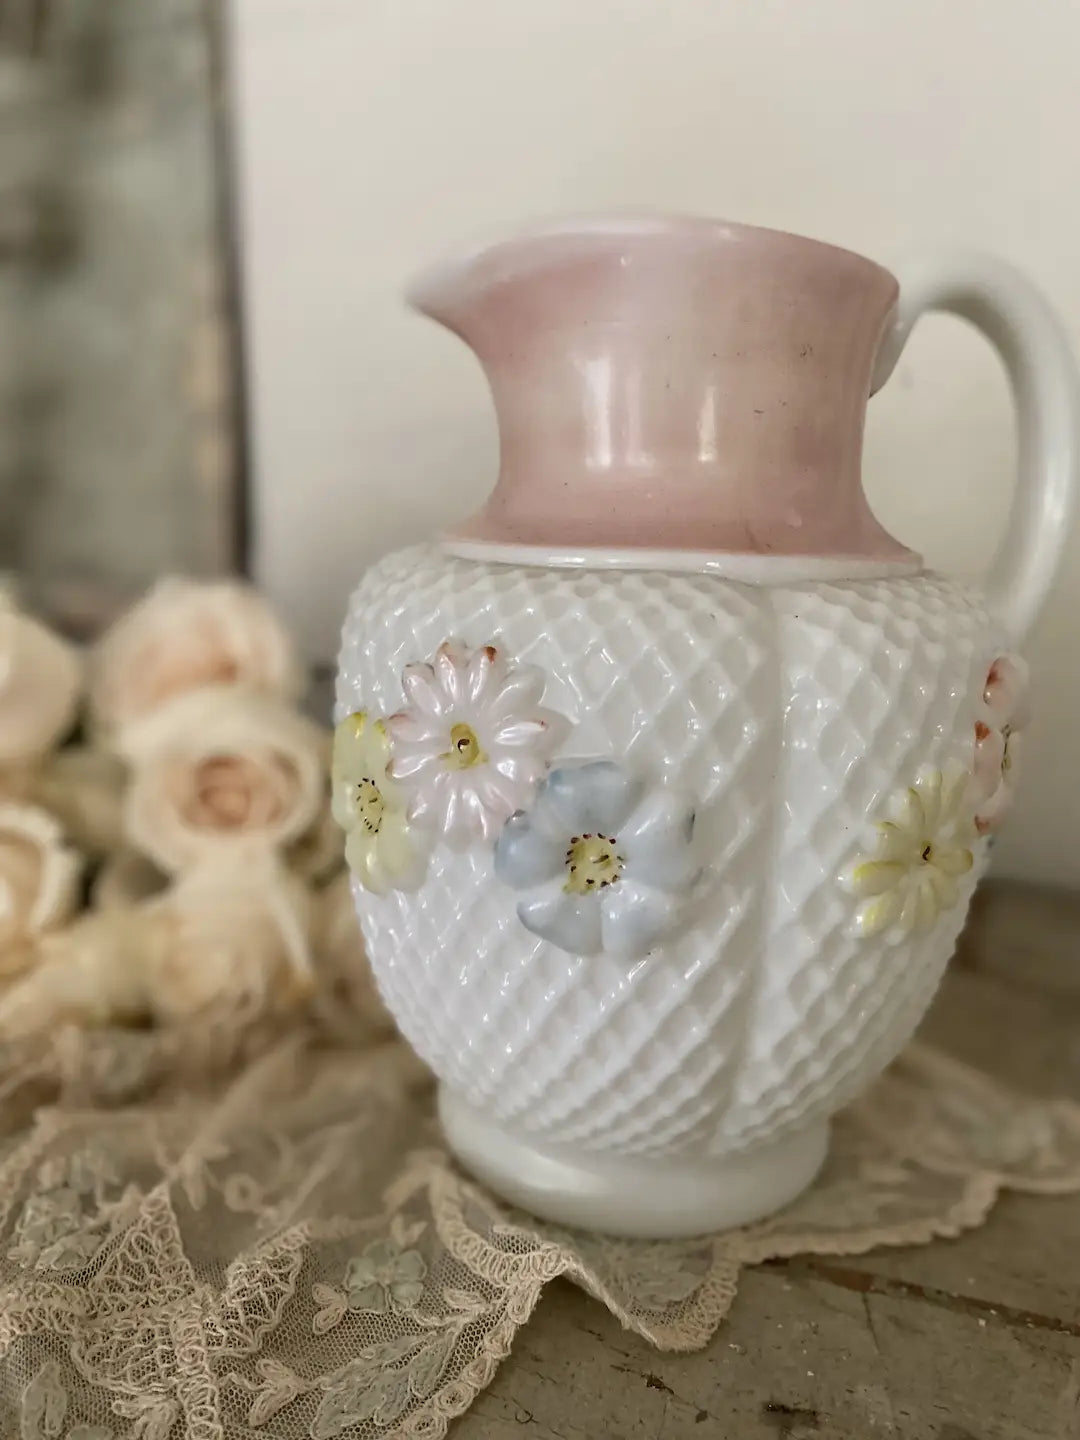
(922, 851)
(381, 849)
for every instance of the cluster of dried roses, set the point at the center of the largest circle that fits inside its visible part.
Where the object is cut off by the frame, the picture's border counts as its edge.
(177, 863)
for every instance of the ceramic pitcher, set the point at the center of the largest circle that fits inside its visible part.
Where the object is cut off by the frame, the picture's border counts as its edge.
(668, 776)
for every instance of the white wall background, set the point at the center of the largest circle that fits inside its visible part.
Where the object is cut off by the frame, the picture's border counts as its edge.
(374, 133)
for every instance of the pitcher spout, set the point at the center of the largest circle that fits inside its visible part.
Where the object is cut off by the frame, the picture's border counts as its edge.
(674, 383)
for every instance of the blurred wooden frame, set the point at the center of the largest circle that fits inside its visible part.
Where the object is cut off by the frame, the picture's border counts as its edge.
(23, 24)
(40, 233)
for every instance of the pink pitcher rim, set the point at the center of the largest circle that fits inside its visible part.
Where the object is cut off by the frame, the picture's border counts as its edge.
(447, 278)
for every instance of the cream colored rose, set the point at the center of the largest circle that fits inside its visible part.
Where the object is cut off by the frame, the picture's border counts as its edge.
(227, 946)
(92, 973)
(185, 635)
(348, 1002)
(237, 946)
(39, 879)
(219, 773)
(40, 687)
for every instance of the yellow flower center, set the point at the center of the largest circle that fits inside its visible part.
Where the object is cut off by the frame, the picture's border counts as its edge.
(370, 805)
(592, 863)
(464, 750)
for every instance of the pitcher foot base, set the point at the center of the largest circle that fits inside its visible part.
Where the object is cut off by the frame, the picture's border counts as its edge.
(654, 1198)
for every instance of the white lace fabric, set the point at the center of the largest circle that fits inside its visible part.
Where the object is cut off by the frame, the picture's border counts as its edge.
(288, 1252)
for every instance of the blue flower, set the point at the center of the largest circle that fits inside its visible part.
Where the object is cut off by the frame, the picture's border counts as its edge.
(605, 865)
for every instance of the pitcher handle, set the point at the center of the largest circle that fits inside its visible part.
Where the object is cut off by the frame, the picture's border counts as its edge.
(1017, 320)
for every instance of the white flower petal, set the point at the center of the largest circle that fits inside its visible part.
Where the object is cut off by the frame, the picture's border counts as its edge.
(395, 796)
(451, 665)
(927, 906)
(424, 808)
(500, 795)
(909, 895)
(523, 768)
(449, 811)
(522, 731)
(593, 798)
(484, 674)
(423, 692)
(929, 790)
(657, 842)
(635, 917)
(897, 844)
(558, 727)
(360, 748)
(427, 806)
(994, 809)
(1005, 695)
(907, 812)
(878, 877)
(379, 879)
(952, 859)
(399, 851)
(485, 822)
(415, 728)
(519, 693)
(525, 855)
(459, 812)
(411, 761)
(341, 805)
(946, 891)
(360, 858)
(572, 922)
(882, 912)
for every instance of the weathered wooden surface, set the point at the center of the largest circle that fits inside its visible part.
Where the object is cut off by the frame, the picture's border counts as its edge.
(115, 403)
(971, 1339)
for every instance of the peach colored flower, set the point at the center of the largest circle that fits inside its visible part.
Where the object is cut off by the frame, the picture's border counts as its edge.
(185, 635)
(222, 772)
(39, 878)
(998, 739)
(40, 686)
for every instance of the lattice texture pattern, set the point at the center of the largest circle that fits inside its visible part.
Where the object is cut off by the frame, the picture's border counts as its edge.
(789, 714)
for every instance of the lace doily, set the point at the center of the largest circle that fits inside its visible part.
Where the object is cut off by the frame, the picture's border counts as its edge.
(295, 1256)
